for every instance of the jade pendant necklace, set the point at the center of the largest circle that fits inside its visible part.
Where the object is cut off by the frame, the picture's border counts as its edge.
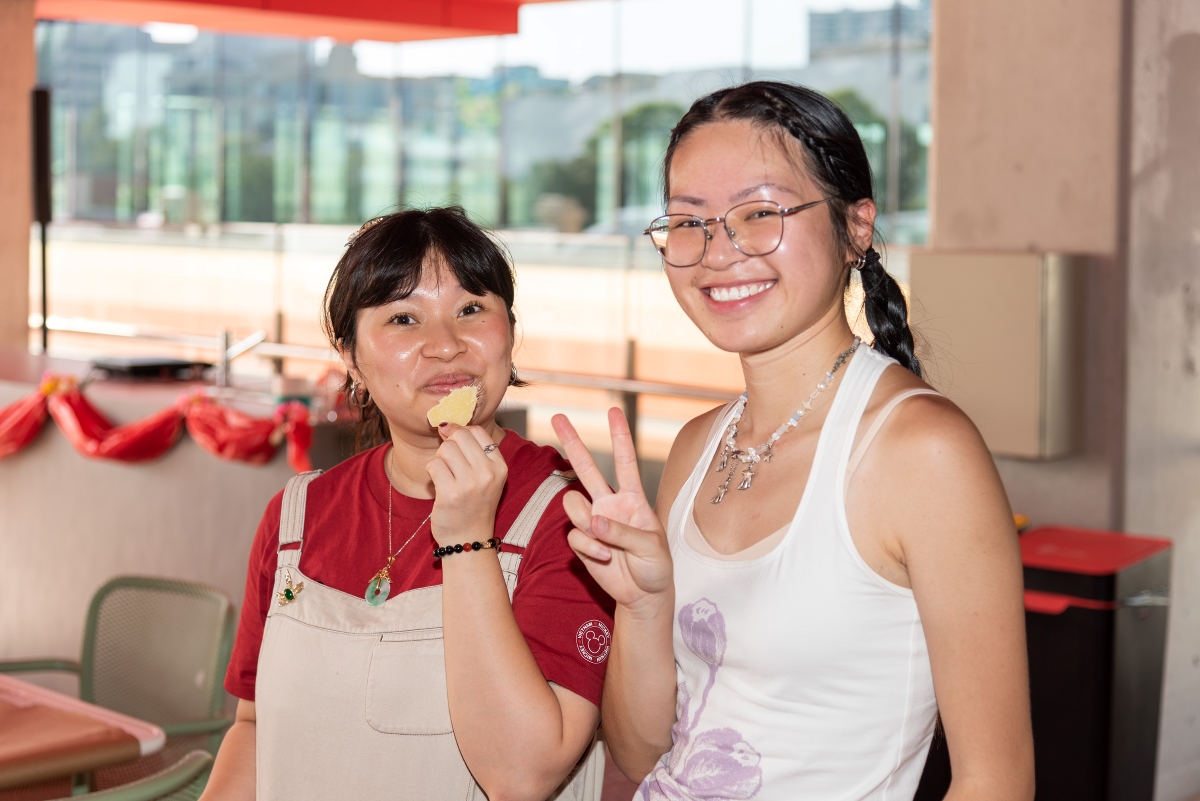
(380, 585)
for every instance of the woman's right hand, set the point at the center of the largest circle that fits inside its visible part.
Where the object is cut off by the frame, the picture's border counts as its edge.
(618, 536)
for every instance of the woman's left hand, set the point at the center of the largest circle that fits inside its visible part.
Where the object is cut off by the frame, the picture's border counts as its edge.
(468, 482)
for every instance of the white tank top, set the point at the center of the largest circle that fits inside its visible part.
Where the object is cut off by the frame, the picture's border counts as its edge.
(803, 674)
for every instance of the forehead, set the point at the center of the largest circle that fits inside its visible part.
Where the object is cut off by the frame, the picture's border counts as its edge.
(720, 161)
(436, 277)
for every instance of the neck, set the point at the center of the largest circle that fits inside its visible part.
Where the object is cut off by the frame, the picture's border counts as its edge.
(412, 452)
(778, 380)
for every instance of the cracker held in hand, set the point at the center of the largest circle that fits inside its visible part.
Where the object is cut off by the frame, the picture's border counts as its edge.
(458, 407)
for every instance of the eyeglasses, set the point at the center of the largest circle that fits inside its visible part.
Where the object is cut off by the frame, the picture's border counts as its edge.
(755, 228)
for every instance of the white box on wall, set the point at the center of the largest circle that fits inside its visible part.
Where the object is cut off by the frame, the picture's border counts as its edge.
(1004, 334)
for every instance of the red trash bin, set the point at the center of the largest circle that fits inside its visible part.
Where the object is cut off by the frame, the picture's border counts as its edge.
(1096, 623)
(1096, 626)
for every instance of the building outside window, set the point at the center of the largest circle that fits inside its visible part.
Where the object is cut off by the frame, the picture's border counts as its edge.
(207, 180)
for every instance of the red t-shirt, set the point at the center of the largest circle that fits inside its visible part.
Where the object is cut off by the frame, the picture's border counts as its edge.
(563, 614)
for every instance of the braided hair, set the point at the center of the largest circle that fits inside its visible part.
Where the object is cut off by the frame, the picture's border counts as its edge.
(838, 163)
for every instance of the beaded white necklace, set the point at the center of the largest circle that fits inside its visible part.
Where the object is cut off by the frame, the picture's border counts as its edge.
(752, 456)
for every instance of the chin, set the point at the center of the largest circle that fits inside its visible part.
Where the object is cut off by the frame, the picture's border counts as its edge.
(738, 337)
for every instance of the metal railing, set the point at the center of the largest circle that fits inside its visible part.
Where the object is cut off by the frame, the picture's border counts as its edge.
(228, 349)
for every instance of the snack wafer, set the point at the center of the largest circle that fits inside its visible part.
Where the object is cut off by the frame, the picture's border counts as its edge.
(458, 407)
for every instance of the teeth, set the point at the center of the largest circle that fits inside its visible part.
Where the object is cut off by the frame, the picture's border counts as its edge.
(727, 293)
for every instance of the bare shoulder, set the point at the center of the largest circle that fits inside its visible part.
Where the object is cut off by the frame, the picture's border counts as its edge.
(685, 451)
(931, 469)
(928, 494)
(925, 429)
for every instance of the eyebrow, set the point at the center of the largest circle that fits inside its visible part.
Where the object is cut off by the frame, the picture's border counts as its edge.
(688, 199)
(691, 200)
(748, 191)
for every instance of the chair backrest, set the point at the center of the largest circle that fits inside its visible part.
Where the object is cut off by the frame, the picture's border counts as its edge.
(157, 649)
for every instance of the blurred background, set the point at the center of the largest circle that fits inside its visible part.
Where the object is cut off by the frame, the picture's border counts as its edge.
(244, 163)
(188, 172)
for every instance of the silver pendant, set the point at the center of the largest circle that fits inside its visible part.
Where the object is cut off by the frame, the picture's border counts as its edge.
(721, 490)
(747, 477)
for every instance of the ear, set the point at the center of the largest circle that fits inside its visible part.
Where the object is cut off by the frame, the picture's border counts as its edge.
(860, 224)
(348, 361)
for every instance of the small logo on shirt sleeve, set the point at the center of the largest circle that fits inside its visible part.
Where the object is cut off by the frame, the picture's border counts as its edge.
(593, 640)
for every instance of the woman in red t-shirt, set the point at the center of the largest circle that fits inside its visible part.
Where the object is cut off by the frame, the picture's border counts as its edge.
(389, 646)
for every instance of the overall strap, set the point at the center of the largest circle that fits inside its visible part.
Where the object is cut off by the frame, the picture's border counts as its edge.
(291, 517)
(521, 531)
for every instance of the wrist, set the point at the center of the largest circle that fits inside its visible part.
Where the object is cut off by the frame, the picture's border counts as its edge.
(651, 607)
(446, 551)
(449, 536)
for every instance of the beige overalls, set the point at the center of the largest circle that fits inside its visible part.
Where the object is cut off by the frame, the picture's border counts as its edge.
(351, 700)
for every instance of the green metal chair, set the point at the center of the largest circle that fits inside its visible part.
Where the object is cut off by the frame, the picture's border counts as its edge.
(157, 650)
(183, 781)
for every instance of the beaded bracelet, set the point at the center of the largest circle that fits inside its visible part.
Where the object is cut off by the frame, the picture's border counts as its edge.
(466, 546)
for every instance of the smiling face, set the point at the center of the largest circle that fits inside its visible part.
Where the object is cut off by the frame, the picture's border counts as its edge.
(750, 304)
(411, 353)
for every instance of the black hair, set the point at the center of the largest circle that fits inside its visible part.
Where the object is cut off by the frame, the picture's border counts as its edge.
(838, 163)
(384, 262)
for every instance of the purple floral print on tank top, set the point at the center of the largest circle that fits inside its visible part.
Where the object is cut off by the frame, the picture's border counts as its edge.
(711, 764)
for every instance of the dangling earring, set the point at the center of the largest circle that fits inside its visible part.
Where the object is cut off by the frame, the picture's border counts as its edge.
(353, 392)
(858, 263)
(513, 380)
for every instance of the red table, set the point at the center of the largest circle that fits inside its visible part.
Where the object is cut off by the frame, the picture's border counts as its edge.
(44, 734)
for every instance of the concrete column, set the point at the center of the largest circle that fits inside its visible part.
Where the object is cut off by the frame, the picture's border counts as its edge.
(1163, 441)
(1027, 114)
(1075, 126)
(16, 79)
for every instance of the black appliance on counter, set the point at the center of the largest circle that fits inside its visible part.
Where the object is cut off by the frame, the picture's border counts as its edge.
(151, 367)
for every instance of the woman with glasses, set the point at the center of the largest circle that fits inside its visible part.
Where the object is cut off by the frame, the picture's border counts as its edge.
(831, 563)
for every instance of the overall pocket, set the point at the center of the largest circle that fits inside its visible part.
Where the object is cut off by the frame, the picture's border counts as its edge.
(406, 684)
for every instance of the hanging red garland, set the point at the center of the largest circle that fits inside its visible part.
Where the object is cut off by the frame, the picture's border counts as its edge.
(229, 434)
(220, 430)
(22, 419)
(94, 436)
(293, 417)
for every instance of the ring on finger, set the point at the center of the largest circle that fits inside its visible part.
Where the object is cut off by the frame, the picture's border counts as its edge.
(490, 448)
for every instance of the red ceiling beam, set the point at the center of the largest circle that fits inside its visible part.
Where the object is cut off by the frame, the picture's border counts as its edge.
(345, 20)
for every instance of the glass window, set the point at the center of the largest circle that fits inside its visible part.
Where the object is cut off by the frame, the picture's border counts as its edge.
(218, 145)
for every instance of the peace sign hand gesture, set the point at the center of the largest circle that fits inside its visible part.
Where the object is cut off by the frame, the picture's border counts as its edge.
(617, 536)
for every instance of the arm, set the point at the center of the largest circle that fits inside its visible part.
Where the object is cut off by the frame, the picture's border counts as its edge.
(519, 735)
(623, 544)
(946, 519)
(233, 774)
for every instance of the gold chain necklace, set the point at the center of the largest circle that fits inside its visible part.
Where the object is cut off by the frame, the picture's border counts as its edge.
(380, 585)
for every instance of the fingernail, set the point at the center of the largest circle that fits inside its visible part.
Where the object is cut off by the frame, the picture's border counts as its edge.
(599, 524)
(443, 426)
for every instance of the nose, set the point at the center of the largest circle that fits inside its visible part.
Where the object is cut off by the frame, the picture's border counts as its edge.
(721, 252)
(443, 340)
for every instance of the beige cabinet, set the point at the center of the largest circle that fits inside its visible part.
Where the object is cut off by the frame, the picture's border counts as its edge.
(1003, 337)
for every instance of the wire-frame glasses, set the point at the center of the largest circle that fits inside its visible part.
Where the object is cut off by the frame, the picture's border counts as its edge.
(755, 228)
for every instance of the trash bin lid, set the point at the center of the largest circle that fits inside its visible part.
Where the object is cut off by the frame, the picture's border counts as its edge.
(1091, 553)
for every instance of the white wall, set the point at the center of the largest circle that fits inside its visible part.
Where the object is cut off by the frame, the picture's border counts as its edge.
(68, 524)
